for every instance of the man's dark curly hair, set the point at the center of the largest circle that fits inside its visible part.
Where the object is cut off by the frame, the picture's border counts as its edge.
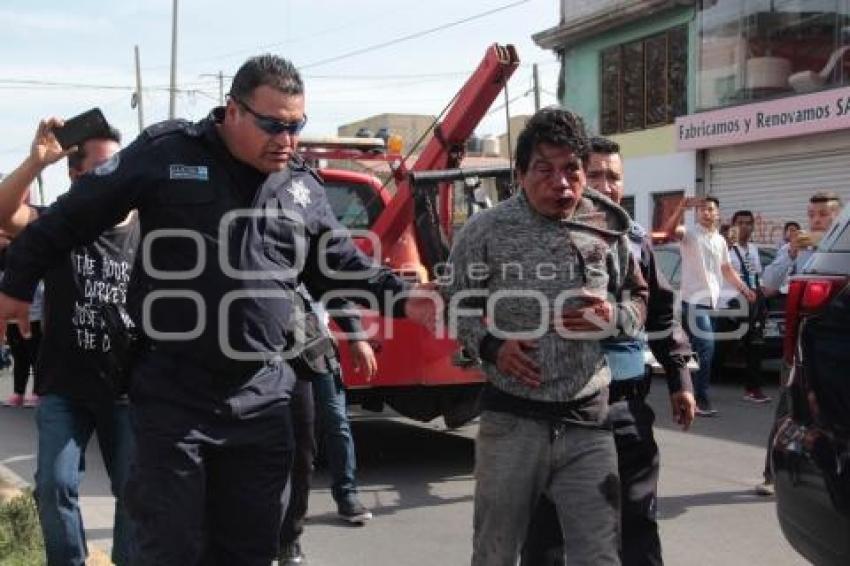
(553, 125)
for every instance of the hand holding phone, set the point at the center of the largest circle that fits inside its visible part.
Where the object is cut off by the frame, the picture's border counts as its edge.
(692, 202)
(76, 130)
(45, 148)
(805, 239)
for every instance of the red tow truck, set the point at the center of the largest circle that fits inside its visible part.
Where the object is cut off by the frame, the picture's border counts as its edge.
(419, 376)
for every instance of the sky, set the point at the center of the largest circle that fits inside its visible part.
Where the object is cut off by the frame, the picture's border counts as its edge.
(62, 58)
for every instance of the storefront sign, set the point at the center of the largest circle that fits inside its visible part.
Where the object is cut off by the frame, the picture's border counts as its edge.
(783, 118)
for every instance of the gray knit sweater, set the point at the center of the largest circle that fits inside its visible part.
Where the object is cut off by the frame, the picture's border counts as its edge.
(512, 249)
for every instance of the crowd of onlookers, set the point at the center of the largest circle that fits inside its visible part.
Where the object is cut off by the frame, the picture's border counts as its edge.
(726, 290)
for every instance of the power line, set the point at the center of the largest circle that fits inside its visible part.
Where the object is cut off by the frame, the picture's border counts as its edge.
(411, 36)
(448, 74)
(445, 74)
(258, 48)
(5, 82)
(412, 76)
(28, 82)
(34, 83)
(511, 101)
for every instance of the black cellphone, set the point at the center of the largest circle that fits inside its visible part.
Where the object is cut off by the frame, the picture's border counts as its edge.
(89, 124)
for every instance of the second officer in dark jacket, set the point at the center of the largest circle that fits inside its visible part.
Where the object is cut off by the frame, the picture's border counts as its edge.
(230, 221)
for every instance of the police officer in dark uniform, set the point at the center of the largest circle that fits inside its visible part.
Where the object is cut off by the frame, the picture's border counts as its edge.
(231, 221)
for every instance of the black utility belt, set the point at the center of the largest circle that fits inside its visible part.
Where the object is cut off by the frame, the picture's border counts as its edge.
(629, 389)
(587, 411)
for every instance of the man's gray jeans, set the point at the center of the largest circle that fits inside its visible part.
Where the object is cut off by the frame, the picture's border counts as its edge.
(517, 459)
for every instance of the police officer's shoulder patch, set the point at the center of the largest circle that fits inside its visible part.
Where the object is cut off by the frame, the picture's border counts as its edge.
(169, 127)
(109, 166)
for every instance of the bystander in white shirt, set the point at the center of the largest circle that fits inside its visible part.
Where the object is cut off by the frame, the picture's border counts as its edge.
(704, 253)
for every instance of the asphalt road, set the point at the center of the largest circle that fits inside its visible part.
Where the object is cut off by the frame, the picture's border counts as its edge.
(417, 479)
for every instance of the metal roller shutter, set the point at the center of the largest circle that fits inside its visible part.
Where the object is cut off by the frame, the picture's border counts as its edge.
(777, 188)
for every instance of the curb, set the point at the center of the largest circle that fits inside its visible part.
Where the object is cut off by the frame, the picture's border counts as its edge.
(11, 484)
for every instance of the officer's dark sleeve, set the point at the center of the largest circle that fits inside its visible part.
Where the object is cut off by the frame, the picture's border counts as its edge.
(347, 317)
(345, 267)
(95, 202)
(667, 339)
(632, 299)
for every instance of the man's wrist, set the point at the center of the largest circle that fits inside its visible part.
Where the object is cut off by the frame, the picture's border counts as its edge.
(33, 166)
(488, 348)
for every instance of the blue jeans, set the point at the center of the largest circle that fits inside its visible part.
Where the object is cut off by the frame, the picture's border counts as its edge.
(701, 335)
(336, 433)
(64, 429)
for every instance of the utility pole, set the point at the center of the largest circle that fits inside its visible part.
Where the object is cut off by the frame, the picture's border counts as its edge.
(173, 98)
(220, 76)
(139, 91)
(40, 182)
(221, 88)
(536, 78)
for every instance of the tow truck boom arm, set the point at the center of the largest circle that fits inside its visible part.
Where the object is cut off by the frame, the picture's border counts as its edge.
(445, 149)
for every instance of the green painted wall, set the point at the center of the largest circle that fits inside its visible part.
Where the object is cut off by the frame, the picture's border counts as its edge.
(581, 92)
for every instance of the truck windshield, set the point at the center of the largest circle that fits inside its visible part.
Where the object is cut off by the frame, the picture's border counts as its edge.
(355, 206)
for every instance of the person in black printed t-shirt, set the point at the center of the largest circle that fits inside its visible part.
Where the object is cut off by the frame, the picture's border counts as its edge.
(78, 394)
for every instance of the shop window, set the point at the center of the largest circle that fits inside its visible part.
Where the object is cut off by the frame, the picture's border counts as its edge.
(760, 49)
(644, 83)
(663, 206)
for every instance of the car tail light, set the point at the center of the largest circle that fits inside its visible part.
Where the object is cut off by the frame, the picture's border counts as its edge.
(806, 295)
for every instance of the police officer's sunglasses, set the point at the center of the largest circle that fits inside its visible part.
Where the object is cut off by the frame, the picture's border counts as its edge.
(273, 126)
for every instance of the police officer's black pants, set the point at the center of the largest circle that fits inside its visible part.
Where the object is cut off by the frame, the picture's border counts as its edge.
(303, 421)
(207, 482)
(638, 461)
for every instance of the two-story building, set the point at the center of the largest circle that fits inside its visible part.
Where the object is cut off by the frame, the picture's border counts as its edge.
(772, 113)
(746, 100)
(627, 68)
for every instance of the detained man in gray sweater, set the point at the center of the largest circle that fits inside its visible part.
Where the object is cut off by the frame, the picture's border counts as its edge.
(532, 287)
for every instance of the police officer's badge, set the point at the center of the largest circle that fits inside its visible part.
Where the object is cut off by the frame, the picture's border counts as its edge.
(109, 166)
(300, 193)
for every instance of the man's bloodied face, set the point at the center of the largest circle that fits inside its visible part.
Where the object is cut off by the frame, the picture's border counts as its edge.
(554, 181)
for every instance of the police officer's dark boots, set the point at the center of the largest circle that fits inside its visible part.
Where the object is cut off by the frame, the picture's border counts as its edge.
(291, 555)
